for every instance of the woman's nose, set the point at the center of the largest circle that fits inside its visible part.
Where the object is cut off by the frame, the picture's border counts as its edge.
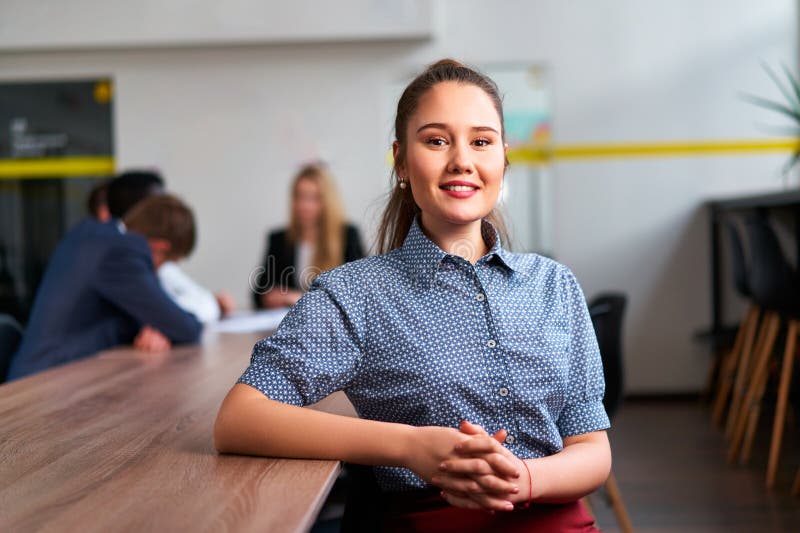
(460, 161)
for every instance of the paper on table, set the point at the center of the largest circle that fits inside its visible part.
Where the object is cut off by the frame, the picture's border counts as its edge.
(251, 321)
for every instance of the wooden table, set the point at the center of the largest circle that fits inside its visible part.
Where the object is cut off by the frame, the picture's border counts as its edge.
(123, 442)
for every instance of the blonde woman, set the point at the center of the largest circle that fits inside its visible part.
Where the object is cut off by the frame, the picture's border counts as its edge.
(317, 239)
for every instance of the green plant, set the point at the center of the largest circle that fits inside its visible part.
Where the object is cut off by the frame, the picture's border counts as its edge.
(791, 108)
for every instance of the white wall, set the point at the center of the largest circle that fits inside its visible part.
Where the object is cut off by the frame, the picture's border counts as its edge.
(54, 24)
(228, 125)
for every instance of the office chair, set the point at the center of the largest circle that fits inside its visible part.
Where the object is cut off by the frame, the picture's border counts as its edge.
(607, 312)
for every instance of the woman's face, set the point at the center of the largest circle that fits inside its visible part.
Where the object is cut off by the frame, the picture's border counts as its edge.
(455, 156)
(307, 202)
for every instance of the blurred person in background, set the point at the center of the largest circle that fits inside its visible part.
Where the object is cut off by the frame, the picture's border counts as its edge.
(100, 288)
(317, 239)
(193, 297)
(187, 293)
(125, 191)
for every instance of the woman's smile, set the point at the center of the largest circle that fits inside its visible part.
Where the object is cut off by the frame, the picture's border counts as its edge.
(460, 189)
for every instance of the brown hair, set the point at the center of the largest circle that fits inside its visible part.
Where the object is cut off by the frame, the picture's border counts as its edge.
(400, 207)
(329, 248)
(164, 217)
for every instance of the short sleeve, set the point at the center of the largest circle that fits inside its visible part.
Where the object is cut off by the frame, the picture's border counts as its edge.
(583, 411)
(315, 351)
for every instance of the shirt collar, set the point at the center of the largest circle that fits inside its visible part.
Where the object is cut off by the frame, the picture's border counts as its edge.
(491, 235)
(425, 257)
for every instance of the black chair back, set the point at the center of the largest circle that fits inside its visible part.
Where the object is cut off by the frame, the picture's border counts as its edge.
(770, 278)
(774, 284)
(608, 313)
(738, 262)
(10, 337)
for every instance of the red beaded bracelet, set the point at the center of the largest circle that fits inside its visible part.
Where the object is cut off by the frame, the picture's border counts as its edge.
(530, 488)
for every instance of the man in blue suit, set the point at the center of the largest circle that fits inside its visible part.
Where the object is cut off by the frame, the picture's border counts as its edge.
(100, 289)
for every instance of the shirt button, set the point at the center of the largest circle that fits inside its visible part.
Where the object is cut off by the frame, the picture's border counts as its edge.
(510, 439)
(480, 297)
(491, 344)
(503, 391)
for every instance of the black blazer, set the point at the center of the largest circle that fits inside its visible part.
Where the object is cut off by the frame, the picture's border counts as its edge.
(278, 269)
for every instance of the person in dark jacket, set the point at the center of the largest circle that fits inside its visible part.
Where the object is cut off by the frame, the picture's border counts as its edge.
(317, 239)
(101, 290)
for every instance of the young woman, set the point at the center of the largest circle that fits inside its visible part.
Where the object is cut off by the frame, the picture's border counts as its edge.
(474, 370)
(317, 239)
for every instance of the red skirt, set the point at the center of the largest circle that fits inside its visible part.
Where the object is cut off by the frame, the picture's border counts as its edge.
(431, 513)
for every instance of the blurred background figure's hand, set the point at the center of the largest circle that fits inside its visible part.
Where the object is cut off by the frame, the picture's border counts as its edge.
(226, 302)
(151, 340)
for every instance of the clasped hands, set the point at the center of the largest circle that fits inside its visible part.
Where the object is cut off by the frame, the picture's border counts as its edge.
(476, 472)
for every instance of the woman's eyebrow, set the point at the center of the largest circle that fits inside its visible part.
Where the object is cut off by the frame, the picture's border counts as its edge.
(441, 126)
(437, 125)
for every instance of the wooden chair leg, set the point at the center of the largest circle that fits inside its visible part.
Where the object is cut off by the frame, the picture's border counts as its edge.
(783, 398)
(615, 496)
(743, 343)
(751, 403)
(753, 418)
(743, 374)
(727, 374)
(738, 414)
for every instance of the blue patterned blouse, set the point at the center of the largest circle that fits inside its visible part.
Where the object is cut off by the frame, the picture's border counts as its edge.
(422, 337)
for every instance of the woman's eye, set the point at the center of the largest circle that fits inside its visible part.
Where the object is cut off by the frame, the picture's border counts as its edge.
(436, 141)
(482, 142)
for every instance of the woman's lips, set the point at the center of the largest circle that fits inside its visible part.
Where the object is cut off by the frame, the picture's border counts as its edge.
(459, 189)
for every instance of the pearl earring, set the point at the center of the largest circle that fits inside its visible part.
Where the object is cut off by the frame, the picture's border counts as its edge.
(402, 184)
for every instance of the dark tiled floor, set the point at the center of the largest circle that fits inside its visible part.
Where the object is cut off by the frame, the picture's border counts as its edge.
(671, 468)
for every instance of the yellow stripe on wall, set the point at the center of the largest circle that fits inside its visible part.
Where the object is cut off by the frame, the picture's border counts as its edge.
(56, 167)
(544, 154)
(537, 155)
